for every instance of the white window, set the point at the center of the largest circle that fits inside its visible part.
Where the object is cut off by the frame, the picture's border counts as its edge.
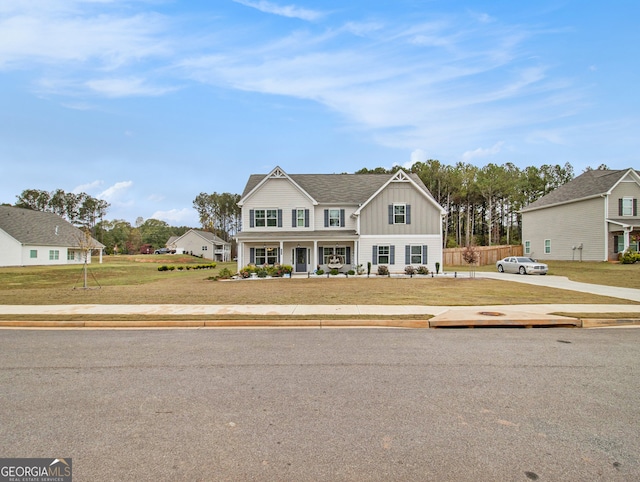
(399, 214)
(54, 254)
(416, 255)
(547, 246)
(300, 218)
(334, 217)
(33, 253)
(71, 255)
(383, 254)
(527, 247)
(265, 217)
(627, 206)
(266, 256)
(340, 252)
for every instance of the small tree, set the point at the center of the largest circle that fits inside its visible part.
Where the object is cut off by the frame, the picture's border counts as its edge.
(471, 256)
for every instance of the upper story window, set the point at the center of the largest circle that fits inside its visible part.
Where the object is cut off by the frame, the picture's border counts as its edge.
(627, 206)
(399, 213)
(300, 218)
(334, 218)
(265, 218)
(547, 246)
(527, 247)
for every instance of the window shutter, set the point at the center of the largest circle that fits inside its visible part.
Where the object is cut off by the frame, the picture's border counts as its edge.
(390, 213)
(424, 254)
(615, 244)
(620, 207)
(306, 218)
(320, 260)
(408, 213)
(407, 254)
(326, 218)
(635, 207)
(252, 255)
(279, 218)
(251, 222)
(392, 254)
(348, 255)
(342, 218)
(294, 218)
(374, 256)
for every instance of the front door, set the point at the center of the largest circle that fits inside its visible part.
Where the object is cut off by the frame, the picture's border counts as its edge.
(301, 260)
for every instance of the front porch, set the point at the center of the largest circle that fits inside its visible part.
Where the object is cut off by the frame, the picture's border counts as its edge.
(622, 237)
(304, 254)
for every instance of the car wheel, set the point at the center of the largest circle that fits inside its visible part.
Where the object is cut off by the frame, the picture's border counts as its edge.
(522, 270)
(500, 269)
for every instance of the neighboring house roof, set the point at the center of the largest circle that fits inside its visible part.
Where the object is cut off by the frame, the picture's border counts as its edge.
(171, 240)
(336, 188)
(587, 185)
(212, 238)
(30, 227)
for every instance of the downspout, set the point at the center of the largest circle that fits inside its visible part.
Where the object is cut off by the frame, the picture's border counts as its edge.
(606, 226)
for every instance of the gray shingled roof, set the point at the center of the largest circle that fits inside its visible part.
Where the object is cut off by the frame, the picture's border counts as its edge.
(337, 188)
(591, 183)
(210, 236)
(40, 228)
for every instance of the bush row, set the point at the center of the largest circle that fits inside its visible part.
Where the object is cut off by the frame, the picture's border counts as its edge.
(187, 267)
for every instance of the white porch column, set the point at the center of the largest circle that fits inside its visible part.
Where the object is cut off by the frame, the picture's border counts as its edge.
(281, 254)
(627, 233)
(240, 254)
(314, 256)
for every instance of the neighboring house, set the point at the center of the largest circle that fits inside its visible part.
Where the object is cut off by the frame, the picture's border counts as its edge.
(171, 244)
(202, 243)
(592, 218)
(339, 220)
(29, 238)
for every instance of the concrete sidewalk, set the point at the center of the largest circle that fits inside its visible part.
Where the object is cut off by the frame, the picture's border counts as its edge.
(425, 316)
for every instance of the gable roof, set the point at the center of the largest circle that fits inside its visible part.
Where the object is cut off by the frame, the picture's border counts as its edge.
(209, 236)
(41, 228)
(587, 185)
(338, 188)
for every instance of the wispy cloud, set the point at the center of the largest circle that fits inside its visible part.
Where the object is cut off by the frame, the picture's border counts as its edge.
(290, 11)
(482, 152)
(88, 187)
(116, 190)
(184, 216)
(114, 87)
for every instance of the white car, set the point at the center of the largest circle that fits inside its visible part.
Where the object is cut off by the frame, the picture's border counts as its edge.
(522, 265)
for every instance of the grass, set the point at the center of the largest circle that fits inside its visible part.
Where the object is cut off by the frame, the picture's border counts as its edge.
(136, 280)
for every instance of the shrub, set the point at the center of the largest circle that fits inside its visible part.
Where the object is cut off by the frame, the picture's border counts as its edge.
(334, 272)
(368, 268)
(225, 273)
(319, 272)
(437, 267)
(383, 270)
(351, 272)
(360, 269)
(247, 270)
(261, 272)
(409, 270)
(422, 269)
(629, 257)
(163, 268)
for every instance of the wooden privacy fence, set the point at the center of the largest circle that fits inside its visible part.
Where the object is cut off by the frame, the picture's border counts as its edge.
(486, 254)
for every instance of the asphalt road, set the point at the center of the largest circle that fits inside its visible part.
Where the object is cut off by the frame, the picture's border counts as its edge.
(331, 404)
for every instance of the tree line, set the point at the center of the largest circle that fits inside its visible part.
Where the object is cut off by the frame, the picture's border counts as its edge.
(482, 206)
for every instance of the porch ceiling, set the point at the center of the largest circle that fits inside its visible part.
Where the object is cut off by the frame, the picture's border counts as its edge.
(298, 236)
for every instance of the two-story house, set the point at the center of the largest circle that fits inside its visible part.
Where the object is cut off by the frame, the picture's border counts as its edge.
(594, 217)
(201, 243)
(339, 221)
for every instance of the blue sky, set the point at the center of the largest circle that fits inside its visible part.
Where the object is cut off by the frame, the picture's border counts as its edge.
(148, 103)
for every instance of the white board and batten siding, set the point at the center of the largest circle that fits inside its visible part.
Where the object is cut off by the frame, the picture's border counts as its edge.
(432, 242)
(572, 225)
